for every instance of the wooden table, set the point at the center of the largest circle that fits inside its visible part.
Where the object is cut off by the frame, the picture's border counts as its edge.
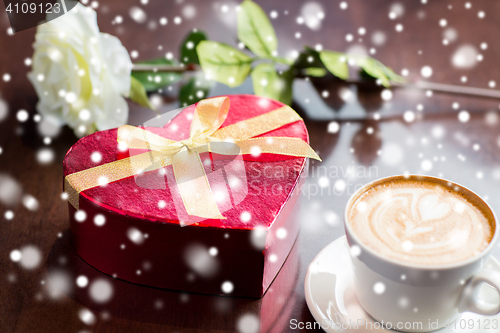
(362, 149)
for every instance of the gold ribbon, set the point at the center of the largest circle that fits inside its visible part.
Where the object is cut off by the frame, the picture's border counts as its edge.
(184, 155)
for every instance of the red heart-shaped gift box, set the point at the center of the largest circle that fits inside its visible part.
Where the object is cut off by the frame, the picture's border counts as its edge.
(130, 228)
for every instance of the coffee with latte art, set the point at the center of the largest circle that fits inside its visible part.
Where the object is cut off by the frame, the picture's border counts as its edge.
(420, 222)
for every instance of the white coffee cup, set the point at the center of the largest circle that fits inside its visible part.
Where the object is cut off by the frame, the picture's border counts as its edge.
(419, 298)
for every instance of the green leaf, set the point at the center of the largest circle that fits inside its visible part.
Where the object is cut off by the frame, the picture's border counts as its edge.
(377, 70)
(336, 63)
(316, 72)
(223, 63)
(188, 47)
(138, 93)
(256, 31)
(152, 81)
(269, 83)
(194, 90)
(371, 68)
(308, 58)
(390, 73)
(282, 60)
(310, 63)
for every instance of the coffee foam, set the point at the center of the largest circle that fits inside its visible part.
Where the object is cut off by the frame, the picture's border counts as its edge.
(420, 222)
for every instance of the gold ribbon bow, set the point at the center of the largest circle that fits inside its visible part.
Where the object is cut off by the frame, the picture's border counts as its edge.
(184, 156)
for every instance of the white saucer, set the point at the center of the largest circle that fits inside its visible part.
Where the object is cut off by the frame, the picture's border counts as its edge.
(330, 296)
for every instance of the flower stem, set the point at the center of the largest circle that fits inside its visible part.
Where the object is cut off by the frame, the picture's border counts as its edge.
(165, 68)
(436, 87)
(453, 89)
(423, 85)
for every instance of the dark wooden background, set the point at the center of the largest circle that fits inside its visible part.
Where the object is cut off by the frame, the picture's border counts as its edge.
(467, 153)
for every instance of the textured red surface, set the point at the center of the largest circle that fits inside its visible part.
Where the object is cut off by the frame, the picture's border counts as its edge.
(274, 184)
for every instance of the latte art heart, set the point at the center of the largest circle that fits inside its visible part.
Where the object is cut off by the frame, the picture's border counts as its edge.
(420, 221)
(430, 207)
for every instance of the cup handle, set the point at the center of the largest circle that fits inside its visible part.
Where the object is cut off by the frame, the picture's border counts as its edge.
(470, 300)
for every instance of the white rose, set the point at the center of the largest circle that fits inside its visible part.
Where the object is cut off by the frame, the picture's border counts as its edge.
(81, 75)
